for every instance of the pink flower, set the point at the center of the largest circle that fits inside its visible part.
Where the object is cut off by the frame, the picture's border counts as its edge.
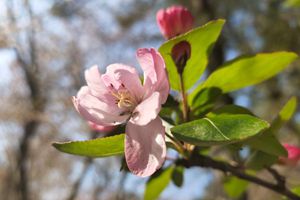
(174, 21)
(118, 96)
(101, 128)
(293, 155)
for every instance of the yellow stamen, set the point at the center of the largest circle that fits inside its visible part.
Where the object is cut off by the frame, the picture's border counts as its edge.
(124, 99)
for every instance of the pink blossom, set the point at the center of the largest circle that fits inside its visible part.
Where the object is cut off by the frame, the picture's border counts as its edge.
(101, 128)
(118, 96)
(293, 155)
(174, 21)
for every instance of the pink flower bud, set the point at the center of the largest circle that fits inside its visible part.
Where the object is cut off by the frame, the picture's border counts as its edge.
(174, 21)
(101, 128)
(293, 155)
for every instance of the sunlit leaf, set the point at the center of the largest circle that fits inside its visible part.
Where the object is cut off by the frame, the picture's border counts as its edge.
(157, 183)
(201, 40)
(246, 71)
(100, 147)
(285, 114)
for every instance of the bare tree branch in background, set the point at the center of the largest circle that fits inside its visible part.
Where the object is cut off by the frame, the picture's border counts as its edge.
(36, 98)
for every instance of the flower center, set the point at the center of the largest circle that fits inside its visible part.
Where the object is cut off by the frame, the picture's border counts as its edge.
(124, 99)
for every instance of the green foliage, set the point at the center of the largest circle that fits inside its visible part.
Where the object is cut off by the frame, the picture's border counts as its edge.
(157, 183)
(269, 148)
(219, 129)
(267, 143)
(245, 71)
(100, 147)
(285, 114)
(259, 160)
(234, 187)
(177, 176)
(205, 100)
(201, 40)
(292, 3)
(225, 125)
(229, 109)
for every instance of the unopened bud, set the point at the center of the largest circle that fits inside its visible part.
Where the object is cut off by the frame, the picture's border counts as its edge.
(174, 21)
(181, 52)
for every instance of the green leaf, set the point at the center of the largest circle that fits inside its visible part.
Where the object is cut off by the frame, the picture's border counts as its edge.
(235, 187)
(100, 147)
(269, 148)
(292, 3)
(205, 99)
(285, 114)
(267, 143)
(220, 129)
(171, 102)
(177, 176)
(157, 183)
(259, 160)
(245, 71)
(201, 40)
(229, 110)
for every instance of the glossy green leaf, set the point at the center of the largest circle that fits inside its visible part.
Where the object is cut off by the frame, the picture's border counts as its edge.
(201, 40)
(235, 187)
(246, 71)
(157, 183)
(100, 147)
(220, 129)
(285, 114)
(177, 176)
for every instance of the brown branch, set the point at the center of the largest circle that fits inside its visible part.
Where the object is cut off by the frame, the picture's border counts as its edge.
(37, 100)
(205, 161)
(279, 178)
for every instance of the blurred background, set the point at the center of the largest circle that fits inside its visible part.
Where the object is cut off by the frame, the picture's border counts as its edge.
(45, 47)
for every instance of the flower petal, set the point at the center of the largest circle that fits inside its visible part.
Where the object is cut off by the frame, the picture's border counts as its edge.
(97, 86)
(101, 128)
(145, 148)
(147, 110)
(120, 75)
(155, 75)
(96, 111)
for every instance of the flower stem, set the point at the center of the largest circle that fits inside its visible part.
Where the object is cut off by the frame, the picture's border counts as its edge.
(178, 145)
(185, 108)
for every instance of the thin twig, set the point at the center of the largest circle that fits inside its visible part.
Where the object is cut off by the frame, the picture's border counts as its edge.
(279, 178)
(205, 161)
